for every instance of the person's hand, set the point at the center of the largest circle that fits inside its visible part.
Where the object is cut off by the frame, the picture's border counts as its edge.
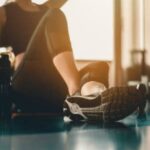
(49, 3)
(39, 2)
(5, 2)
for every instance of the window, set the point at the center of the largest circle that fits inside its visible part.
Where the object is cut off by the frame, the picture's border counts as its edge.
(91, 28)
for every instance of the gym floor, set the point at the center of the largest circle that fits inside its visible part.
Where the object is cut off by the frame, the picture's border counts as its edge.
(44, 133)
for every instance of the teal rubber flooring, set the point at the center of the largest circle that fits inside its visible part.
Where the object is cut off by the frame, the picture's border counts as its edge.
(44, 133)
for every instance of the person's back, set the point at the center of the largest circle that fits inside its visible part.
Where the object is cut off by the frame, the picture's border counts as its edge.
(2, 20)
(19, 26)
(35, 80)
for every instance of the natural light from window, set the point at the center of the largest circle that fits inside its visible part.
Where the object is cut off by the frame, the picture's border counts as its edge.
(91, 28)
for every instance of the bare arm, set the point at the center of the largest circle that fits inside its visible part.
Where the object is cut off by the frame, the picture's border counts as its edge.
(65, 64)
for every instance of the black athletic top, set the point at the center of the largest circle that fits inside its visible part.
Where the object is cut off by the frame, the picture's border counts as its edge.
(18, 30)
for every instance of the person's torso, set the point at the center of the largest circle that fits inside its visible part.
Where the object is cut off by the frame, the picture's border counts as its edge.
(19, 27)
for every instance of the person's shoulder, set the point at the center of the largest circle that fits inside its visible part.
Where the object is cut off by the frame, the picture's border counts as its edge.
(57, 14)
(5, 8)
(2, 10)
(2, 15)
(56, 18)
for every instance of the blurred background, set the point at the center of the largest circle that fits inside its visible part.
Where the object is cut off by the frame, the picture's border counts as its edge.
(116, 31)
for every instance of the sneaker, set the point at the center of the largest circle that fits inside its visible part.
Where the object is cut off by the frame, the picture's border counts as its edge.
(113, 104)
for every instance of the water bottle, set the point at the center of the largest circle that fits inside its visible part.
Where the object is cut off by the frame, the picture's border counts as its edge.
(5, 86)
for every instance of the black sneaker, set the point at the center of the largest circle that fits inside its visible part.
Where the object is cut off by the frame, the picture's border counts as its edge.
(113, 104)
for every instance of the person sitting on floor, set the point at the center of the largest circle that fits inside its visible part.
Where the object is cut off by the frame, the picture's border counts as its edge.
(45, 69)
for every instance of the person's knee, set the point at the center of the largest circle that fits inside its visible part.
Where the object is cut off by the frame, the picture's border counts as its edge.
(97, 71)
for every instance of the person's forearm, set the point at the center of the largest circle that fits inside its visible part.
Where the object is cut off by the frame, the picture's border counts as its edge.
(64, 63)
